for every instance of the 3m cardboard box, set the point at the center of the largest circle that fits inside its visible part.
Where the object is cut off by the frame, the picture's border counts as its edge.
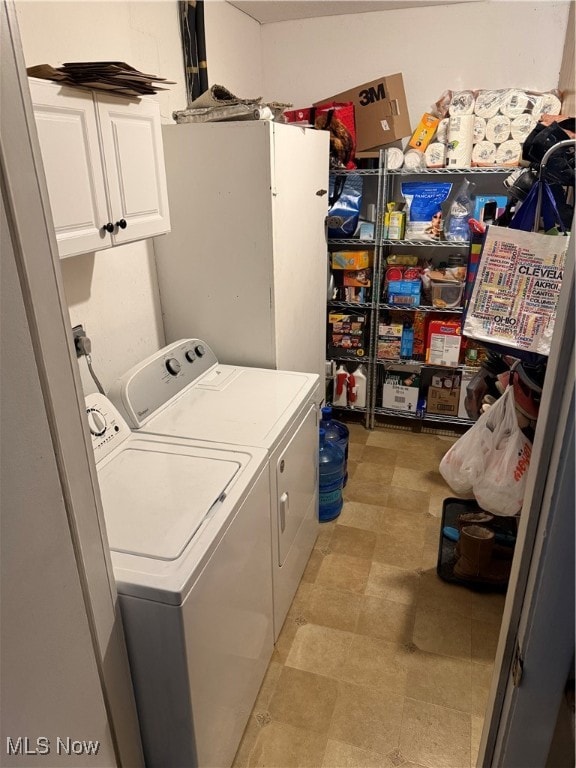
(380, 111)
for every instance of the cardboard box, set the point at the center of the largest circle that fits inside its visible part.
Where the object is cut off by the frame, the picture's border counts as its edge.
(405, 293)
(444, 342)
(351, 259)
(380, 111)
(357, 278)
(424, 132)
(346, 335)
(389, 341)
(401, 389)
(443, 391)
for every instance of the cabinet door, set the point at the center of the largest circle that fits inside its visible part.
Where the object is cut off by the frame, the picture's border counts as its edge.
(300, 200)
(68, 135)
(134, 161)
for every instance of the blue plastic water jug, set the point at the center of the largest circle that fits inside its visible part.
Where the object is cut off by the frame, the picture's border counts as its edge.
(336, 432)
(331, 470)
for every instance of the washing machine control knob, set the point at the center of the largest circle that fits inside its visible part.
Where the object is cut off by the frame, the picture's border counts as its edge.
(96, 422)
(200, 351)
(190, 356)
(173, 366)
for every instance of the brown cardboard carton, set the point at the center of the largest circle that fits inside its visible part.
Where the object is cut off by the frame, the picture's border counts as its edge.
(381, 111)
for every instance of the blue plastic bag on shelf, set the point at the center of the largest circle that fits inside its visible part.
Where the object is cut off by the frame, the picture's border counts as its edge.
(344, 203)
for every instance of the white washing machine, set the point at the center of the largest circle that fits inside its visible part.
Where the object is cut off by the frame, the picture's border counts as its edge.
(188, 527)
(183, 391)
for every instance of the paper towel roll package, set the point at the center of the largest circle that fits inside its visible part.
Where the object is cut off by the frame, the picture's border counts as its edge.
(509, 153)
(479, 129)
(460, 141)
(484, 153)
(435, 155)
(498, 129)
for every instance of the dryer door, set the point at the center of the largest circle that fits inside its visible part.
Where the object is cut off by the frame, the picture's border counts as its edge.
(296, 481)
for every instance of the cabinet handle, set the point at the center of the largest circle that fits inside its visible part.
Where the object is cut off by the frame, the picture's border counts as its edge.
(108, 227)
(284, 502)
(122, 223)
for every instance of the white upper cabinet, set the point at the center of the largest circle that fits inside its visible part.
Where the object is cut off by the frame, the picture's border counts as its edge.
(104, 166)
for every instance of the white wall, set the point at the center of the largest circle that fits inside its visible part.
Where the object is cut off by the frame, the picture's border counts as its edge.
(114, 293)
(233, 49)
(486, 44)
(490, 44)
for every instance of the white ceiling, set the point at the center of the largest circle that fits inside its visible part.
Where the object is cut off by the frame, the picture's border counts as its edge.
(269, 11)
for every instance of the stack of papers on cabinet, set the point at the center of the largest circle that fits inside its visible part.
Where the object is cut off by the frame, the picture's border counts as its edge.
(112, 76)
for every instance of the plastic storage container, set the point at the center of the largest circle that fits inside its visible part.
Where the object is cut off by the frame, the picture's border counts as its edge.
(446, 295)
(331, 470)
(336, 432)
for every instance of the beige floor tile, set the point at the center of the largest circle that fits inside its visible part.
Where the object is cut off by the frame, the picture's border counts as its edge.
(304, 700)
(428, 481)
(400, 549)
(355, 451)
(313, 566)
(400, 440)
(333, 608)
(477, 727)
(408, 498)
(285, 639)
(484, 641)
(358, 515)
(385, 619)
(344, 572)
(480, 688)
(429, 557)
(341, 755)
(482, 606)
(283, 746)
(372, 492)
(440, 680)
(268, 687)
(436, 503)
(354, 542)
(367, 718)
(403, 522)
(374, 473)
(324, 535)
(249, 738)
(357, 433)
(397, 584)
(420, 458)
(435, 736)
(385, 457)
(321, 650)
(443, 632)
(376, 663)
(351, 467)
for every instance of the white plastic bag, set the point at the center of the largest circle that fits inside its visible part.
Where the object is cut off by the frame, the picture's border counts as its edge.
(499, 487)
(464, 461)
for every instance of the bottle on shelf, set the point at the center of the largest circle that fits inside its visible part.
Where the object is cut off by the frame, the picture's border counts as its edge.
(331, 478)
(360, 382)
(337, 433)
(340, 395)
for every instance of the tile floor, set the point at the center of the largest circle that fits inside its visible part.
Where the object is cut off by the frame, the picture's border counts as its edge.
(380, 664)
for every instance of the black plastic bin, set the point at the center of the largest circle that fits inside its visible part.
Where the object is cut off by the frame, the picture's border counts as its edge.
(451, 509)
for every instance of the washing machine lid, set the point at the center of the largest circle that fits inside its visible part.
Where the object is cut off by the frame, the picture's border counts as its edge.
(245, 406)
(157, 495)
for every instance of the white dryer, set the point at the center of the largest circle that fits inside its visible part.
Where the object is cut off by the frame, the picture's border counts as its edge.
(188, 527)
(183, 391)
